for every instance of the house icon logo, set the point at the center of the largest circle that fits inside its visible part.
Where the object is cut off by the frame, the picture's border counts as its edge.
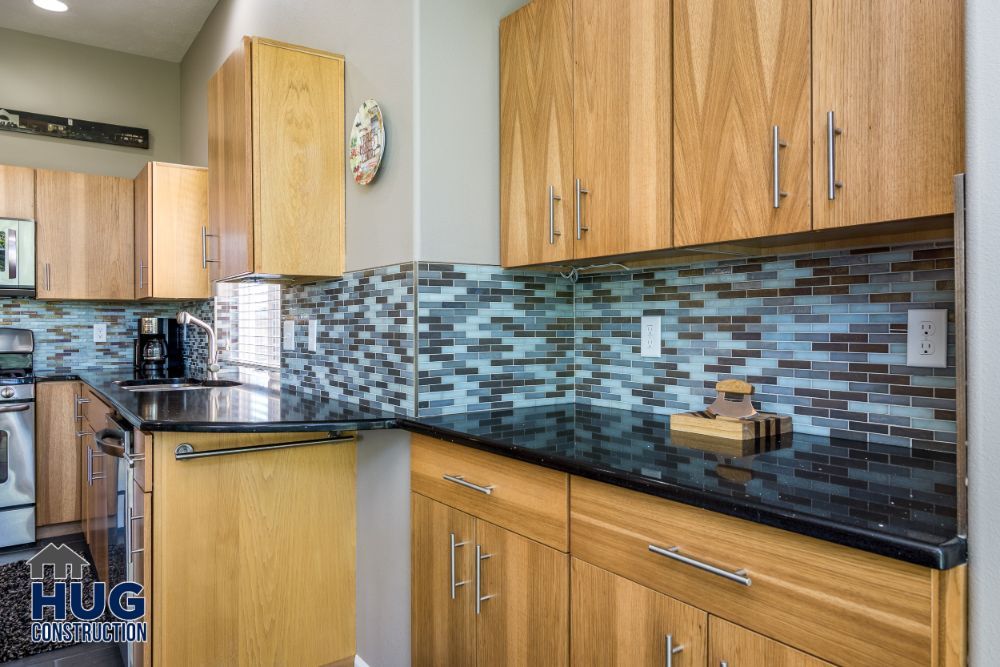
(66, 563)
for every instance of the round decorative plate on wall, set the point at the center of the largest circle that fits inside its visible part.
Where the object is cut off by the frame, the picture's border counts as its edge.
(367, 142)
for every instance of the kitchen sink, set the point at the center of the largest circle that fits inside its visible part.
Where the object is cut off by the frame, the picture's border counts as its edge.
(174, 384)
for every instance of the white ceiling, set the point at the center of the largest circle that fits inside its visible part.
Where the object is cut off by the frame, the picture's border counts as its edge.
(161, 29)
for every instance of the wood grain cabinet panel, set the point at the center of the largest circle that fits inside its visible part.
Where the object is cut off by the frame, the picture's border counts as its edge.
(524, 617)
(171, 215)
(621, 119)
(17, 192)
(891, 72)
(443, 616)
(276, 166)
(524, 498)
(832, 601)
(536, 133)
(57, 456)
(741, 69)
(253, 553)
(617, 622)
(735, 646)
(84, 236)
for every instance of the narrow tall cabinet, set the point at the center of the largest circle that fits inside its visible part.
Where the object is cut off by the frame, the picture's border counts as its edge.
(276, 163)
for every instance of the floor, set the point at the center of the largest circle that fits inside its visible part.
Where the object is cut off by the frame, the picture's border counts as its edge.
(81, 655)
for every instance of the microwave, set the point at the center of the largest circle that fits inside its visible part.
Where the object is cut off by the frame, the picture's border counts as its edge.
(17, 257)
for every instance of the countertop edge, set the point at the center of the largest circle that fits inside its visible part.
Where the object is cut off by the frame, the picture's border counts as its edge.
(949, 554)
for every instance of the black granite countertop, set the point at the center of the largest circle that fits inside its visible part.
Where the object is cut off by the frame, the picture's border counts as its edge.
(893, 501)
(260, 404)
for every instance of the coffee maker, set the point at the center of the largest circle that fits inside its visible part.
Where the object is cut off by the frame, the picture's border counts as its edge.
(158, 347)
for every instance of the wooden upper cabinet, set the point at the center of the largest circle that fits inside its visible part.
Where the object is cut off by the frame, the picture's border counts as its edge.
(276, 162)
(171, 218)
(84, 236)
(17, 192)
(618, 622)
(741, 69)
(622, 120)
(736, 646)
(891, 74)
(536, 133)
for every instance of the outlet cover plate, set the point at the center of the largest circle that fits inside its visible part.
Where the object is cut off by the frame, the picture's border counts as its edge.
(311, 341)
(288, 336)
(100, 332)
(927, 338)
(652, 336)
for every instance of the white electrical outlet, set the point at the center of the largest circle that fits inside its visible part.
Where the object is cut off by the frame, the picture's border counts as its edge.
(100, 332)
(927, 338)
(652, 338)
(313, 329)
(288, 336)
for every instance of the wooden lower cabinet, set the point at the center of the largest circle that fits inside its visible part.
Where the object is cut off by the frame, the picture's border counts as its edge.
(57, 457)
(618, 622)
(523, 586)
(733, 646)
(253, 552)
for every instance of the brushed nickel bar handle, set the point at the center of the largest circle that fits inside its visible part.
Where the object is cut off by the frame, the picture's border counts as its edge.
(48, 276)
(831, 156)
(776, 145)
(455, 584)
(205, 261)
(673, 553)
(671, 650)
(185, 451)
(553, 198)
(580, 190)
(80, 400)
(480, 598)
(460, 480)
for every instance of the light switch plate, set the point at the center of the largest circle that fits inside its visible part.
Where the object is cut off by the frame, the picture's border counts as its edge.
(652, 336)
(313, 329)
(100, 332)
(288, 336)
(927, 338)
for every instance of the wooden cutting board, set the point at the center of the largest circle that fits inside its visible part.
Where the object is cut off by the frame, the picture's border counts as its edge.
(761, 426)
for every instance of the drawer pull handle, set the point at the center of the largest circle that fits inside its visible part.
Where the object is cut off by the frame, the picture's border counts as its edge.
(461, 481)
(455, 584)
(673, 553)
(671, 650)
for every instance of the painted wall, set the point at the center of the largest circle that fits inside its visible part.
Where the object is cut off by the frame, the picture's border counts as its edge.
(58, 78)
(458, 121)
(376, 38)
(982, 58)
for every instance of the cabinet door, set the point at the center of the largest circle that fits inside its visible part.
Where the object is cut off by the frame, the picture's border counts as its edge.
(443, 586)
(171, 214)
(58, 454)
(536, 133)
(891, 74)
(523, 615)
(741, 69)
(734, 646)
(621, 109)
(230, 174)
(84, 236)
(85, 471)
(17, 192)
(619, 622)
(298, 160)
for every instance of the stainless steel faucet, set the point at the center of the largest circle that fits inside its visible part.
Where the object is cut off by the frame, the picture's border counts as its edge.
(184, 317)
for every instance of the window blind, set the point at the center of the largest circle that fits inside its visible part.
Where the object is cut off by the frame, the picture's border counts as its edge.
(248, 318)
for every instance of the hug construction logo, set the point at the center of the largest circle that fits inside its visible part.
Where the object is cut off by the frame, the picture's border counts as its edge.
(73, 621)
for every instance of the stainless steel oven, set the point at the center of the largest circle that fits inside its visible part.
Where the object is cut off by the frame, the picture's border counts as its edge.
(17, 438)
(17, 257)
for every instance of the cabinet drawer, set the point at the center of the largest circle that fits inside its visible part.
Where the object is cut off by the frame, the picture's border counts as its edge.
(845, 605)
(94, 410)
(523, 498)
